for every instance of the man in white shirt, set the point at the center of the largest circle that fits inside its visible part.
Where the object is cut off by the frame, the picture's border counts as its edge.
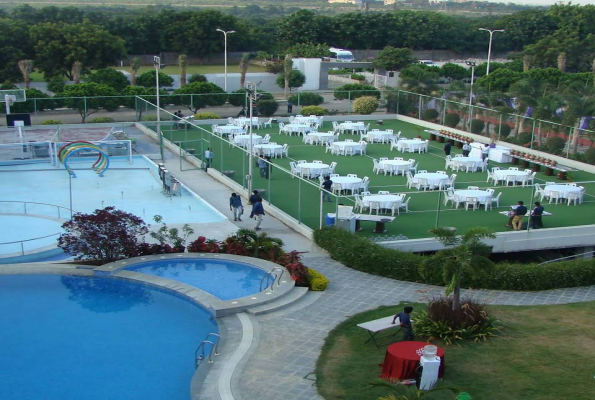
(466, 149)
(208, 158)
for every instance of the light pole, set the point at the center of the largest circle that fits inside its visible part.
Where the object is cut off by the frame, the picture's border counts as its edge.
(157, 65)
(491, 31)
(225, 53)
(472, 65)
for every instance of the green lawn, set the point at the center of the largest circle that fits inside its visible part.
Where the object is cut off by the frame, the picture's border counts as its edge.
(302, 199)
(543, 352)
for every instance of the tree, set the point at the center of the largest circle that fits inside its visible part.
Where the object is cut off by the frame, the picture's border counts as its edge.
(294, 80)
(58, 46)
(197, 78)
(56, 84)
(88, 98)
(105, 235)
(309, 50)
(419, 80)
(499, 80)
(287, 68)
(26, 67)
(135, 65)
(109, 77)
(76, 71)
(465, 255)
(244, 64)
(354, 90)
(182, 63)
(14, 47)
(199, 95)
(580, 102)
(147, 79)
(454, 71)
(393, 59)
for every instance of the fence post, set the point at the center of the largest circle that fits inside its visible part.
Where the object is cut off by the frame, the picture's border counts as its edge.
(85, 103)
(299, 201)
(349, 104)
(500, 127)
(299, 99)
(532, 134)
(35, 106)
(419, 107)
(438, 210)
(398, 98)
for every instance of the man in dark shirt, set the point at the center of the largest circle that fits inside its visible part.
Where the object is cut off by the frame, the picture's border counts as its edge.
(447, 147)
(519, 214)
(405, 323)
(327, 185)
(255, 197)
(536, 214)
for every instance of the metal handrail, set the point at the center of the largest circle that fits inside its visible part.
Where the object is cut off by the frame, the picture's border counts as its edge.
(567, 257)
(33, 202)
(280, 275)
(267, 276)
(28, 240)
(198, 359)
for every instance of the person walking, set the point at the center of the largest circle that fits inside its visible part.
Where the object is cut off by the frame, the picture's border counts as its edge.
(535, 221)
(466, 149)
(405, 323)
(519, 214)
(257, 213)
(269, 167)
(327, 185)
(208, 158)
(254, 198)
(262, 166)
(235, 205)
(447, 148)
(289, 107)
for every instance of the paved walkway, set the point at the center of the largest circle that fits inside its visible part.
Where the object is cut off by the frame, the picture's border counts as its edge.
(288, 342)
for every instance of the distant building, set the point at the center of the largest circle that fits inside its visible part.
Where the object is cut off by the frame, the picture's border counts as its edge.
(345, 1)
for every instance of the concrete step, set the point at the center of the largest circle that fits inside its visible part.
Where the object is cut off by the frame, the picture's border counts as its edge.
(293, 296)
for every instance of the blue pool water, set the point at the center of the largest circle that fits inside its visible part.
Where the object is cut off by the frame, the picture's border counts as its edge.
(96, 338)
(224, 279)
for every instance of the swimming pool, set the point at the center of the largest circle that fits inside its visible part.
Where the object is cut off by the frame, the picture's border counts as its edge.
(79, 337)
(223, 279)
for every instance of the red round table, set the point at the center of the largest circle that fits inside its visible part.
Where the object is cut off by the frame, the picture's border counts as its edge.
(402, 359)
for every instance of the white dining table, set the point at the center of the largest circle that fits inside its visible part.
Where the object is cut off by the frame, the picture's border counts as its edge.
(385, 200)
(434, 179)
(230, 129)
(321, 137)
(501, 174)
(481, 195)
(352, 126)
(461, 163)
(242, 121)
(397, 166)
(316, 169)
(244, 140)
(305, 120)
(379, 136)
(410, 145)
(348, 182)
(564, 190)
(345, 148)
(297, 128)
(271, 150)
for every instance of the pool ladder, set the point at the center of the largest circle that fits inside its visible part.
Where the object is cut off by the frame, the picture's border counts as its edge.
(200, 353)
(275, 278)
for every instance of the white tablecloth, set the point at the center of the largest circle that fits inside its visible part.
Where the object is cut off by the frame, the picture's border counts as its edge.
(242, 121)
(352, 126)
(410, 145)
(562, 189)
(463, 161)
(340, 147)
(244, 140)
(500, 154)
(386, 200)
(321, 137)
(501, 174)
(347, 182)
(230, 129)
(480, 195)
(269, 149)
(433, 178)
(305, 120)
(297, 128)
(315, 169)
(396, 165)
(379, 136)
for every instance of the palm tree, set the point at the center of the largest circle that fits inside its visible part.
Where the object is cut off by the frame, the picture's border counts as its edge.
(579, 100)
(244, 63)
(260, 244)
(465, 255)
(135, 65)
(182, 62)
(287, 68)
(77, 69)
(26, 66)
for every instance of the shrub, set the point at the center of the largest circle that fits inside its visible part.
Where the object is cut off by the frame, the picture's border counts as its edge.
(197, 78)
(313, 110)
(358, 77)
(554, 144)
(101, 120)
(365, 105)
(306, 99)
(267, 107)
(238, 97)
(206, 115)
(275, 67)
(477, 126)
(354, 90)
(590, 155)
(440, 322)
(430, 114)
(504, 130)
(149, 118)
(452, 120)
(204, 245)
(298, 271)
(318, 282)
(52, 122)
(524, 138)
(361, 254)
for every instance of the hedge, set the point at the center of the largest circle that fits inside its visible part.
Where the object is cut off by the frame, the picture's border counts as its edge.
(318, 282)
(361, 254)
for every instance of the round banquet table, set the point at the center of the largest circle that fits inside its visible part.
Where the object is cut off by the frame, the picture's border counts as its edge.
(385, 200)
(433, 178)
(321, 137)
(268, 149)
(341, 146)
(380, 136)
(562, 189)
(241, 121)
(352, 126)
(463, 161)
(305, 120)
(410, 145)
(480, 195)
(501, 174)
(296, 128)
(347, 182)
(397, 166)
(230, 129)
(244, 140)
(402, 359)
(316, 169)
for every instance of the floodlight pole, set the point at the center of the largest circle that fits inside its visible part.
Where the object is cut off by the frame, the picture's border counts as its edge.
(7, 102)
(157, 65)
(491, 31)
(472, 65)
(250, 92)
(225, 54)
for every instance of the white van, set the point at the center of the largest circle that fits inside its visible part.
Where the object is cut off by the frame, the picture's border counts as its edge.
(341, 55)
(427, 62)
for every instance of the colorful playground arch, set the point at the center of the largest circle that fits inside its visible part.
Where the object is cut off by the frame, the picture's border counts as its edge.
(100, 166)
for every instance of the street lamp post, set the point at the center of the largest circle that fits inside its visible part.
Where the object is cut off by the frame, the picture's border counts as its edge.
(472, 65)
(252, 94)
(491, 31)
(225, 53)
(157, 65)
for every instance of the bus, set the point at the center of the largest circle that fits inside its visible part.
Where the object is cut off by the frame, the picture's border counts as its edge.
(341, 55)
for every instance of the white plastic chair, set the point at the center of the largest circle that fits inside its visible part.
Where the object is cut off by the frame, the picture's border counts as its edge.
(376, 169)
(383, 192)
(496, 200)
(471, 201)
(374, 205)
(554, 195)
(405, 204)
(573, 197)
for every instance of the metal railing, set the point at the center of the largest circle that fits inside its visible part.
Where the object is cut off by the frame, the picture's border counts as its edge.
(26, 210)
(22, 242)
(567, 257)
(199, 358)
